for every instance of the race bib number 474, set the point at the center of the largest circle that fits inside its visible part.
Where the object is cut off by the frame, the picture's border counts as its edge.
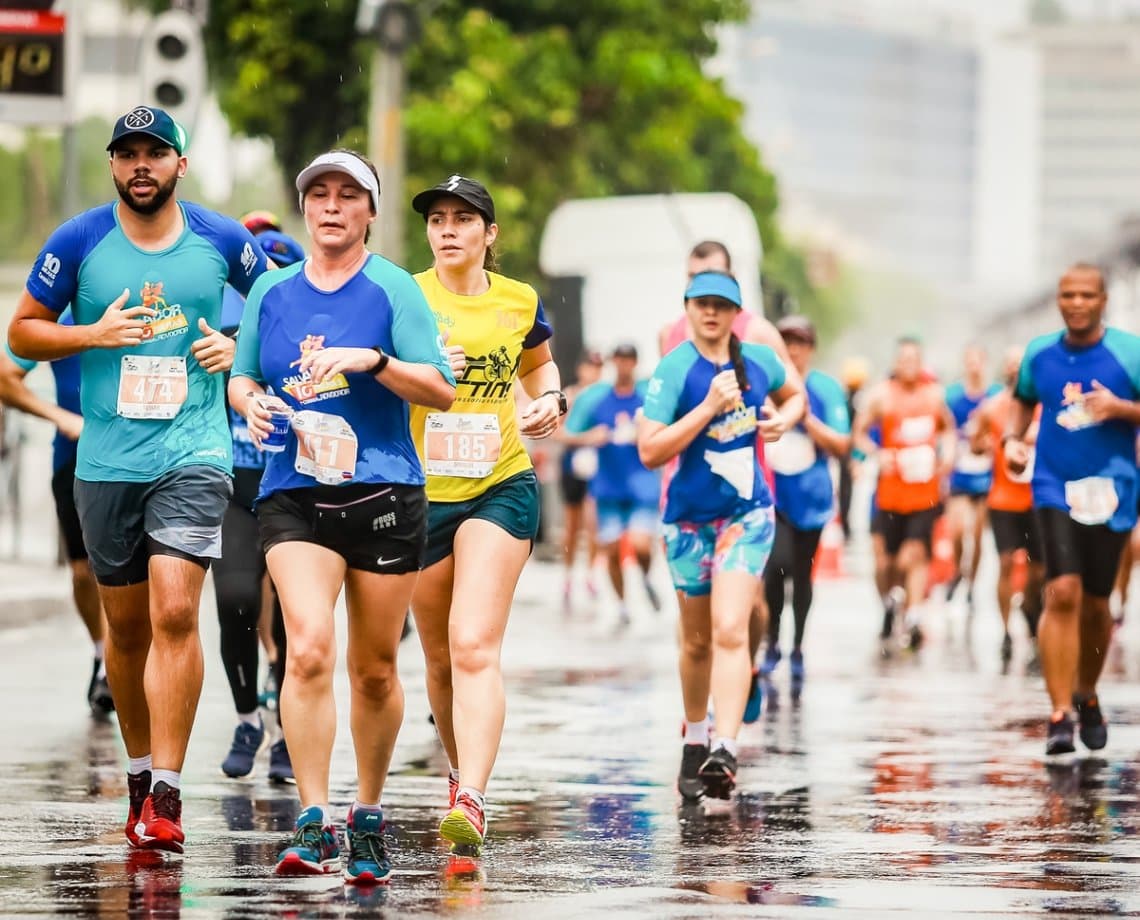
(151, 387)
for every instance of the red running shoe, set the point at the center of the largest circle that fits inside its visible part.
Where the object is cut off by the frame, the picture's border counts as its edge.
(138, 788)
(160, 824)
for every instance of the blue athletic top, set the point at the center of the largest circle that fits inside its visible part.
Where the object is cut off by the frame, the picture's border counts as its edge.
(962, 405)
(87, 262)
(286, 317)
(807, 498)
(1070, 446)
(66, 374)
(246, 455)
(621, 476)
(696, 492)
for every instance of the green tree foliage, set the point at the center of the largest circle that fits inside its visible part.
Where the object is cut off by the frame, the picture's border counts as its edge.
(544, 100)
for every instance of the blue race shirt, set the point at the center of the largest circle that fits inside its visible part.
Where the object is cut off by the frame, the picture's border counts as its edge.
(246, 454)
(681, 382)
(621, 476)
(1070, 446)
(66, 374)
(87, 262)
(972, 475)
(807, 498)
(286, 316)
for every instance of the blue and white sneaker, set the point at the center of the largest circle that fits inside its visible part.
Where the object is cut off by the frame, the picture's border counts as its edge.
(315, 848)
(247, 744)
(771, 659)
(368, 862)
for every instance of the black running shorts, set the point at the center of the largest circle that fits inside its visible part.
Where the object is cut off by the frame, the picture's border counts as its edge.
(1093, 552)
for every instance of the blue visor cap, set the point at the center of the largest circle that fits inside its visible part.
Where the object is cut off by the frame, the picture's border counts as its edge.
(714, 284)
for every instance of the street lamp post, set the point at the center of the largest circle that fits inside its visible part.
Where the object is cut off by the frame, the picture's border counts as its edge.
(395, 26)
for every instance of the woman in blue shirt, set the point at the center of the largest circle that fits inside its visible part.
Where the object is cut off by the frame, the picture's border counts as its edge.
(705, 406)
(345, 340)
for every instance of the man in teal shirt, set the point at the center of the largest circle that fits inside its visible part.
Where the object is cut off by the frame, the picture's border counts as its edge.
(144, 277)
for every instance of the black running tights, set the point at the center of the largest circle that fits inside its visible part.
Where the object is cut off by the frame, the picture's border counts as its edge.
(792, 555)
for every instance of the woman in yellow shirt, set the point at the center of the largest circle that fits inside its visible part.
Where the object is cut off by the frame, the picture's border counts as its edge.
(483, 494)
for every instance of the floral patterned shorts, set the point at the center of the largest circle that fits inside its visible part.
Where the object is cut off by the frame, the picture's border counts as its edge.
(696, 552)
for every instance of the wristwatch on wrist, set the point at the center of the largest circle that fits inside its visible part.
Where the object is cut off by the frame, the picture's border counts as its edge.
(381, 362)
(561, 400)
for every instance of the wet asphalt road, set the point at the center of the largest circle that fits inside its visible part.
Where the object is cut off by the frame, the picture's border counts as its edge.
(914, 785)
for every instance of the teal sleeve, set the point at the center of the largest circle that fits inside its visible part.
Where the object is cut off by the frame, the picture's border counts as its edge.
(663, 392)
(415, 335)
(1026, 388)
(247, 361)
(766, 359)
(24, 364)
(834, 401)
(1125, 347)
(581, 417)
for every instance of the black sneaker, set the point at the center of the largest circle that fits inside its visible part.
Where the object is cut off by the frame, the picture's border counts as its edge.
(718, 774)
(280, 764)
(1060, 738)
(1093, 730)
(99, 691)
(688, 780)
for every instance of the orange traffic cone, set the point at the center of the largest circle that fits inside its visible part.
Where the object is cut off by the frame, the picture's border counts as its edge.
(941, 568)
(829, 555)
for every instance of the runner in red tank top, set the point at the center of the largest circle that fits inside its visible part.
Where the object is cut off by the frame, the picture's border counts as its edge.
(917, 452)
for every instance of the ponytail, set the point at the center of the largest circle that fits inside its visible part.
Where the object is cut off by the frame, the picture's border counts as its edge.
(735, 352)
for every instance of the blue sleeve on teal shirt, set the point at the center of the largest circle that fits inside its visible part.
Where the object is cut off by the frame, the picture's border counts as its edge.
(54, 278)
(581, 417)
(245, 259)
(663, 392)
(1125, 347)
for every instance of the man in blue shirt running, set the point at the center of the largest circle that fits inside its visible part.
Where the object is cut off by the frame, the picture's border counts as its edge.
(144, 277)
(1087, 380)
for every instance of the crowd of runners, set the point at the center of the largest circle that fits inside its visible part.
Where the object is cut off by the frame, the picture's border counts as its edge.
(306, 418)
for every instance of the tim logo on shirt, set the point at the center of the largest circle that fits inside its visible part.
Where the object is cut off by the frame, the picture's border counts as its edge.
(169, 320)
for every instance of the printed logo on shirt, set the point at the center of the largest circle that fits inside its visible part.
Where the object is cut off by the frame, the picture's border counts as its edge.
(740, 421)
(168, 321)
(49, 270)
(248, 259)
(488, 378)
(301, 387)
(1075, 415)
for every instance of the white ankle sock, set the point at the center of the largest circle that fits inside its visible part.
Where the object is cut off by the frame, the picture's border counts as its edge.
(251, 718)
(729, 744)
(697, 732)
(137, 765)
(472, 793)
(172, 778)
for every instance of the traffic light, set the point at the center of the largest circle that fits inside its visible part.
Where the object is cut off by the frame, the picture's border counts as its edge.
(173, 65)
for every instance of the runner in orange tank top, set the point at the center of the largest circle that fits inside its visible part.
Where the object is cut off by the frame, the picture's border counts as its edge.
(918, 442)
(1010, 502)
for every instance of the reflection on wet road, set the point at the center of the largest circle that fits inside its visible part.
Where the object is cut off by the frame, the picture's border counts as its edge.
(913, 784)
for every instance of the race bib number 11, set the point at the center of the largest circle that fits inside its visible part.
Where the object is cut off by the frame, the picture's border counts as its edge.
(326, 447)
(151, 386)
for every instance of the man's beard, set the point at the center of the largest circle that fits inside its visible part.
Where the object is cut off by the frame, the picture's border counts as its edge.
(161, 195)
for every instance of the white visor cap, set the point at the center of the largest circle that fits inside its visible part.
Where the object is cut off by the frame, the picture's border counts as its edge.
(346, 163)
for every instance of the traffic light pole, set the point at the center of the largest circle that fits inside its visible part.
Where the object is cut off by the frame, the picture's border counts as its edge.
(386, 147)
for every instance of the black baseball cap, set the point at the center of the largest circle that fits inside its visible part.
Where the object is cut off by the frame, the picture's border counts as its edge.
(469, 190)
(144, 119)
(625, 350)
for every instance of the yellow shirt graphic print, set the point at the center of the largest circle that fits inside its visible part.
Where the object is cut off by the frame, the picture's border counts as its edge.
(476, 443)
